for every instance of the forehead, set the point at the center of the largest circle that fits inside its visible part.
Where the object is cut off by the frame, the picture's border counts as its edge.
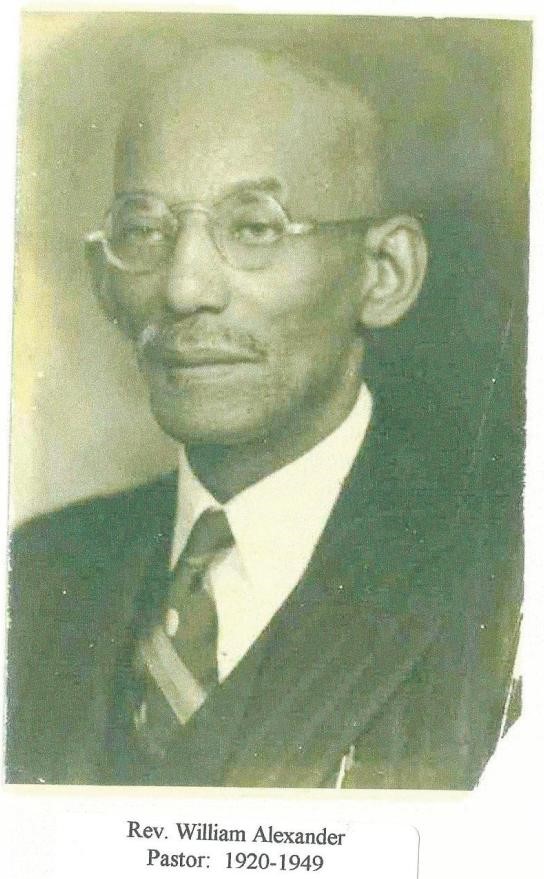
(227, 119)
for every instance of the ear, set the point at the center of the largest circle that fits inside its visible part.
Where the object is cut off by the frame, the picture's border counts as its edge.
(396, 259)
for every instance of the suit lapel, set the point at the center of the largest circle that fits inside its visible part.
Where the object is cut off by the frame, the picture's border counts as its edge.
(135, 590)
(316, 695)
(366, 611)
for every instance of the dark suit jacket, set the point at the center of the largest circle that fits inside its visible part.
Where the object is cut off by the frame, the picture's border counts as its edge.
(399, 640)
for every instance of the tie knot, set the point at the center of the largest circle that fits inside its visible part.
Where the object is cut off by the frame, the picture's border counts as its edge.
(210, 535)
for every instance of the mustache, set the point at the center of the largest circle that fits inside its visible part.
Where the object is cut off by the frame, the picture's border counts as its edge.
(156, 338)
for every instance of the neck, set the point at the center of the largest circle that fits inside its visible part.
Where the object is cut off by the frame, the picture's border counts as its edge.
(226, 470)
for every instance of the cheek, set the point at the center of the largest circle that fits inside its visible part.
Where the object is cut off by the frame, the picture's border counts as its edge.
(132, 301)
(312, 309)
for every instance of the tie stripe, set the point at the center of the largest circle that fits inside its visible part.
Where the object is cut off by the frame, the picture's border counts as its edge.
(179, 687)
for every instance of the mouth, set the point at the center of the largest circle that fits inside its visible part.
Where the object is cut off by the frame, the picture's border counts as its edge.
(201, 357)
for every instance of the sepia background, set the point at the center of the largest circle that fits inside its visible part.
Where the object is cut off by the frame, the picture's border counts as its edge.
(454, 96)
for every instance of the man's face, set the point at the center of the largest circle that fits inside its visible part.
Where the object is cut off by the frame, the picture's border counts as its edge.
(233, 354)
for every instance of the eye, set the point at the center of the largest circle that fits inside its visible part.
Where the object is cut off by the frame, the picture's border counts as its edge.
(256, 233)
(141, 234)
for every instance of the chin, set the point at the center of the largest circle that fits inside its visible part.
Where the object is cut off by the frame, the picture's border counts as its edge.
(224, 424)
(224, 405)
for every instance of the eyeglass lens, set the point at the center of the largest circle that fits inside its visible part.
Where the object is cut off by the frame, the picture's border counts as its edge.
(246, 229)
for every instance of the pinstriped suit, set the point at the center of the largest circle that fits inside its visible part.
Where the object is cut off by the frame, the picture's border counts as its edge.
(397, 642)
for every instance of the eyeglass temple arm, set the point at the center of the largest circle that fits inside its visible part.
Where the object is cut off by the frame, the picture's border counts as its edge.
(100, 237)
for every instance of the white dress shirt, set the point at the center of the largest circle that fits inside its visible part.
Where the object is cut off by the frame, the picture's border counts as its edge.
(276, 524)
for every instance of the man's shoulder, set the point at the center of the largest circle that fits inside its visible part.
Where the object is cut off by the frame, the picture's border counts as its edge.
(66, 566)
(103, 521)
(72, 576)
(80, 546)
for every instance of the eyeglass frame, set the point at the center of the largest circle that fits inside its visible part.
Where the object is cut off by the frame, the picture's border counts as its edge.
(291, 229)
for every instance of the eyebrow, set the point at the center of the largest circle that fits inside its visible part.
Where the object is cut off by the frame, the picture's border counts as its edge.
(264, 184)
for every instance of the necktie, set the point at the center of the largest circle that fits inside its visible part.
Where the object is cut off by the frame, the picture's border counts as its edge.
(178, 659)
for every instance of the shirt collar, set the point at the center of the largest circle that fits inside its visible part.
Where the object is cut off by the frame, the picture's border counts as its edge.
(277, 522)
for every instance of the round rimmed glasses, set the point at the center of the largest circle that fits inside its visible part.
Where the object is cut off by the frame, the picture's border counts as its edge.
(247, 228)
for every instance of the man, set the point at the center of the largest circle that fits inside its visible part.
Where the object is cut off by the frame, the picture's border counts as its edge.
(300, 609)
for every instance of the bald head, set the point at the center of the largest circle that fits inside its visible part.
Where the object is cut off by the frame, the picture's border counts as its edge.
(230, 116)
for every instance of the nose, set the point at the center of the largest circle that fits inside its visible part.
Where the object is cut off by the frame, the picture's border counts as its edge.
(196, 279)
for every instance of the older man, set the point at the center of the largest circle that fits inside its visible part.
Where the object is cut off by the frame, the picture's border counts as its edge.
(299, 607)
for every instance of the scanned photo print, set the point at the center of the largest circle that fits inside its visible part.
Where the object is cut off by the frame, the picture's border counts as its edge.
(268, 400)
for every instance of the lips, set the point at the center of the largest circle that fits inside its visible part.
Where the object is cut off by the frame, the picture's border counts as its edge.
(191, 357)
